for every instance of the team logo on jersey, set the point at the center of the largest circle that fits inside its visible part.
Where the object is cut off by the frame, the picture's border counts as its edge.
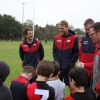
(34, 44)
(25, 46)
(68, 41)
(85, 42)
(58, 40)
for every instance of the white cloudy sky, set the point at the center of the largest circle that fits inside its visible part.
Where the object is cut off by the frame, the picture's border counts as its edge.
(52, 11)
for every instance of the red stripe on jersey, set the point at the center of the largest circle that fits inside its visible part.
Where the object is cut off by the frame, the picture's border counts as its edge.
(21, 79)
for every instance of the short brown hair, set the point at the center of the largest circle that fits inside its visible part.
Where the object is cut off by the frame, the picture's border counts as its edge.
(26, 30)
(29, 69)
(56, 68)
(64, 22)
(96, 26)
(45, 68)
(89, 21)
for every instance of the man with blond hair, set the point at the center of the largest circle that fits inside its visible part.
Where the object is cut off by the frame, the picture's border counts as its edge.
(65, 50)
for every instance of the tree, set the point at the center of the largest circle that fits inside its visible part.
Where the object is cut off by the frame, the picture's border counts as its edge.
(79, 31)
(12, 29)
(9, 27)
(28, 23)
(71, 27)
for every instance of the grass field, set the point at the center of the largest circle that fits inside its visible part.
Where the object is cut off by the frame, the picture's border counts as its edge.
(9, 52)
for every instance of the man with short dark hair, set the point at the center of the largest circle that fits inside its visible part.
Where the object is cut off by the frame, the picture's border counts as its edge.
(86, 51)
(31, 50)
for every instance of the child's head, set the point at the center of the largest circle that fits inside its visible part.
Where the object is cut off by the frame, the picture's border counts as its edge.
(4, 71)
(29, 72)
(78, 77)
(56, 67)
(45, 68)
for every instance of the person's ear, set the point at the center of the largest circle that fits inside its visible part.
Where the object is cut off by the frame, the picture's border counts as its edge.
(74, 83)
(58, 72)
(31, 74)
(51, 75)
(36, 72)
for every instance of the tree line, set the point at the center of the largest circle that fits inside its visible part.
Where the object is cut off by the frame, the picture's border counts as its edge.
(11, 29)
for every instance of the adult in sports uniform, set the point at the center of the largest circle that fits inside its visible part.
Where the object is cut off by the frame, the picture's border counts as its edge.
(65, 50)
(86, 51)
(31, 50)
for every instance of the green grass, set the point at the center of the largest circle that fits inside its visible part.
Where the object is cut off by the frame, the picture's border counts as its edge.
(9, 52)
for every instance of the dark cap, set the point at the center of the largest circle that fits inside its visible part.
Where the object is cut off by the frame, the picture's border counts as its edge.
(4, 71)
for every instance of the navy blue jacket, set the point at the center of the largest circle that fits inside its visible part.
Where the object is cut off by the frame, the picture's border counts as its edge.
(65, 50)
(17, 87)
(32, 53)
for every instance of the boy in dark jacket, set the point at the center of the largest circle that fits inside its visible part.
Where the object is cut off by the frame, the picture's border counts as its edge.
(18, 84)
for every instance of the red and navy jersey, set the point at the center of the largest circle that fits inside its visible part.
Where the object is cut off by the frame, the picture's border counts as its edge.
(86, 54)
(39, 90)
(66, 49)
(31, 53)
(17, 87)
